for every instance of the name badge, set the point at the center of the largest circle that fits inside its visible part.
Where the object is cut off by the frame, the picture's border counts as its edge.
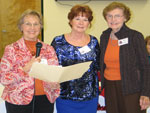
(43, 61)
(123, 41)
(84, 50)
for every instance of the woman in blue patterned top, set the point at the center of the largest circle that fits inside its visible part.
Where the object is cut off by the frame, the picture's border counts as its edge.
(79, 95)
(147, 41)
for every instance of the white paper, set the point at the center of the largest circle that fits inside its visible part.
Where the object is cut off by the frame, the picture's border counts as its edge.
(59, 74)
(1, 90)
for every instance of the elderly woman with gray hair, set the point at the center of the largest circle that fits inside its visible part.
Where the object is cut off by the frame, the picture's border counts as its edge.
(124, 63)
(22, 93)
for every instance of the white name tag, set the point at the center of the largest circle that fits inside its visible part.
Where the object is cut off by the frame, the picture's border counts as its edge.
(43, 61)
(84, 50)
(123, 41)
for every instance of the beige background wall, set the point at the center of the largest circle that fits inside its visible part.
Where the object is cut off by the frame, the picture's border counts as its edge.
(56, 22)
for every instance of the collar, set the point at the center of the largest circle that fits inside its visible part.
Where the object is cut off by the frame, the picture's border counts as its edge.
(122, 33)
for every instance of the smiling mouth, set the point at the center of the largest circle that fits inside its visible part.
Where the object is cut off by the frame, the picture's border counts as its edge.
(32, 32)
(80, 27)
(114, 23)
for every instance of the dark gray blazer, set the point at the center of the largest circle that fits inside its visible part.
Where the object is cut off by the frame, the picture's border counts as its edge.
(134, 64)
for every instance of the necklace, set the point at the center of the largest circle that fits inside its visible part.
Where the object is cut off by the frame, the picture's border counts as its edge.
(31, 46)
(31, 50)
(113, 40)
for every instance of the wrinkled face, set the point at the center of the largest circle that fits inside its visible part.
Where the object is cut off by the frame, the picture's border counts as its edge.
(148, 47)
(31, 27)
(80, 23)
(115, 19)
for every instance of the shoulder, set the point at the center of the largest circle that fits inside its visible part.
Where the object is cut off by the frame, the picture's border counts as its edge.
(16, 45)
(93, 38)
(58, 41)
(93, 42)
(13, 48)
(105, 34)
(132, 33)
(135, 37)
(47, 46)
(58, 38)
(137, 34)
(107, 31)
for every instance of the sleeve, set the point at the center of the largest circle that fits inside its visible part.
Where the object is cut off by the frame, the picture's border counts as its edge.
(10, 72)
(52, 59)
(98, 55)
(143, 63)
(53, 43)
(57, 45)
(97, 61)
(52, 93)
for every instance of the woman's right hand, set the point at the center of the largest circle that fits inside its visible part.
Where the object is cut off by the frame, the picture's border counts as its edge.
(28, 66)
(144, 102)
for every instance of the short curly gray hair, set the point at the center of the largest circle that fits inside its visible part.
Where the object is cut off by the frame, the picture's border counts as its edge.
(29, 12)
(114, 5)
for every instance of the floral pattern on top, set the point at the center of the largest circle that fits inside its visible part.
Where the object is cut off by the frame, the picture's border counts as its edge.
(19, 86)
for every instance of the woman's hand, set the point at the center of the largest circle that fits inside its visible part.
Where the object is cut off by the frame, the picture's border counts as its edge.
(28, 66)
(144, 102)
(54, 85)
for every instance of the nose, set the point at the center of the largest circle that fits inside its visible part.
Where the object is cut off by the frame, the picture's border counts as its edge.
(81, 21)
(33, 26)
(113, 18)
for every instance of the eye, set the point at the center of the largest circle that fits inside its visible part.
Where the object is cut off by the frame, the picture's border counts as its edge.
(117, 16)
(28, 24)
(36, 24)
(86, 19)
(77, 18)
(109, 16)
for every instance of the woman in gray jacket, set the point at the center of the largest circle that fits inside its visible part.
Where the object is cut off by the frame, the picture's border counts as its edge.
(124, 63)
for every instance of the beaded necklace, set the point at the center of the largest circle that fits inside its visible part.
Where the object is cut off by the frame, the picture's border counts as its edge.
(31, 46)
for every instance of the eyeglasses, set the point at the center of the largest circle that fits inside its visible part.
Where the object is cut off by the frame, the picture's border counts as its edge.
(114, 17)
(30, 24)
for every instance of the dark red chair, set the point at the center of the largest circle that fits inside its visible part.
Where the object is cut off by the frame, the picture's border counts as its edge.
(100, 107)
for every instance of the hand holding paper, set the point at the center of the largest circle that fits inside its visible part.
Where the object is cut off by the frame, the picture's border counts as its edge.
(1, 89)
(59, 74)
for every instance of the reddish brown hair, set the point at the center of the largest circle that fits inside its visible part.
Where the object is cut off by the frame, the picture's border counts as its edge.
(147, 39)
(85, 10)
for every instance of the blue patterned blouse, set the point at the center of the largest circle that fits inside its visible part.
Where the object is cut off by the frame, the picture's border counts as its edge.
(86, 87)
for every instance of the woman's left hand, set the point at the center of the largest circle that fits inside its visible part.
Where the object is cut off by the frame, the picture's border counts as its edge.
(54, 85)
(144, 102)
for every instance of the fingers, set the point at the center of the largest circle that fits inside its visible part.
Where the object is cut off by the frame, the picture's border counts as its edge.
(55, 85)
(28, 66)
(37, 59)
(144, 102)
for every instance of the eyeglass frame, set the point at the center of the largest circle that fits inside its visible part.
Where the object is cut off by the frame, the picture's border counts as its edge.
(32, 24)
(114, 16)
